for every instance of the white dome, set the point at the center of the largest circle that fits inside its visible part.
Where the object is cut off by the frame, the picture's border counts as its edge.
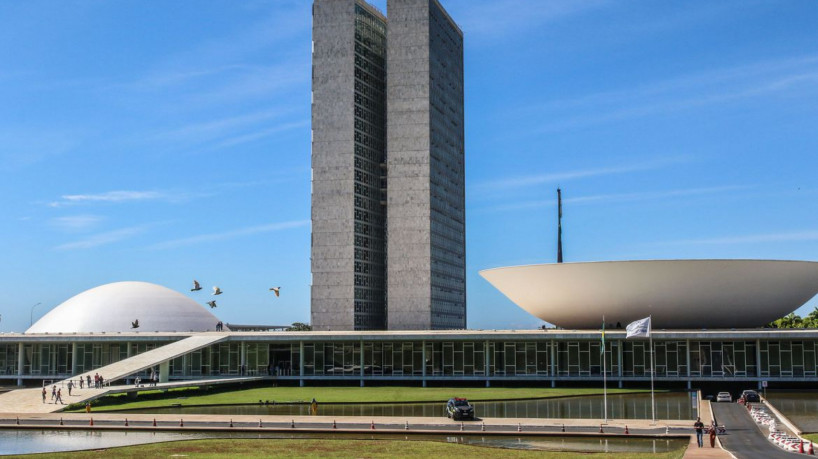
(112, 308)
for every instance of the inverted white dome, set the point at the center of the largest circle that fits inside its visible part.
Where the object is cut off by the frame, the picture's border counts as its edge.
(676, 293)
(112, 308)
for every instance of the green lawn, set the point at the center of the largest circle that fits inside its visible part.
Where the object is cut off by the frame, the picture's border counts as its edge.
(813, 437)
(151, 399)
(328, 449)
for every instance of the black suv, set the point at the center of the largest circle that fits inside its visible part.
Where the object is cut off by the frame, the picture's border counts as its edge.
(459, 408)
(751, 396)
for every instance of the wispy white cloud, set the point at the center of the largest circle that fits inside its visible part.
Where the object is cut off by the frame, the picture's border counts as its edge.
(113, 196)
(782, 77)
(231, 131)
(260, 134)
(106, 238)
(793, 236)
(208, 130)
(120, 196)
(232, 234)
(557, 177)
(617, 197)
(76, 222)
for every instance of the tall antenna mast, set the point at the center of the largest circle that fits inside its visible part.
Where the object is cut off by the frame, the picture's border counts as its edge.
(559, 225)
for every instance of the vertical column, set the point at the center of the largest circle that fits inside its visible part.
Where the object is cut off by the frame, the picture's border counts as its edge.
(424, 362)
(619, 360)
(73, 358)
(20, 363)
(553, 363)
(687, 359)
(758, 362)
(301, 363)
(362, 363)
(164, 371)
(128, 350)
(243, 358)
(487, 358)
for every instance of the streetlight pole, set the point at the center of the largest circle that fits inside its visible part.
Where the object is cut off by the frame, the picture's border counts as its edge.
(32, 314)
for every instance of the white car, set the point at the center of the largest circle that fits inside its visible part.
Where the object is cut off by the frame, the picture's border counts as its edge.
(724, 397)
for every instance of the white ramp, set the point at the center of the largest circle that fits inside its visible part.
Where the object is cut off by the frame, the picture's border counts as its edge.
(30, 400)
(154, 357)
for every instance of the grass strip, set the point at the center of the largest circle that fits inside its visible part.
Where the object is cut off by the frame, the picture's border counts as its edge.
(375, 394)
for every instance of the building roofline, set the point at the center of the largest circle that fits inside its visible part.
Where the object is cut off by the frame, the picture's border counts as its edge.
(414, 335)
(449, 17)
(372, 9)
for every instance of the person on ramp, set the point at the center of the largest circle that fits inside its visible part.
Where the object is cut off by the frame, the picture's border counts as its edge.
(699, 427)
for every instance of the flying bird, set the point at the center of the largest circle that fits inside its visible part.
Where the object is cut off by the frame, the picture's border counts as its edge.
(135, 324)
(217, 291)
(275, 290)
(212, 304)
(196, 286)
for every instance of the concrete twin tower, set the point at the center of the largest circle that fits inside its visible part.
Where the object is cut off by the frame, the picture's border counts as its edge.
(388, 191)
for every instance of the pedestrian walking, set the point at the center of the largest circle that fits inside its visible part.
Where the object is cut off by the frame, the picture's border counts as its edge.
(81, 382)
(89, 380)
(699, 426)
(70, 386)
(53, 393)
(45, 392)
(96, 380)
(59, 397)
(713, 436)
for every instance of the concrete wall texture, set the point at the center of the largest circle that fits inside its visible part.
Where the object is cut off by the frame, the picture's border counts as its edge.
(423, 225)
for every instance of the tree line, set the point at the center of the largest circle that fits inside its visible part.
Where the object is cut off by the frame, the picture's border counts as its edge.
(793, 320)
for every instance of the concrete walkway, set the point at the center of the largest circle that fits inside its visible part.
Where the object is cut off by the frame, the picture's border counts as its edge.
(706, 452)
(383, 424)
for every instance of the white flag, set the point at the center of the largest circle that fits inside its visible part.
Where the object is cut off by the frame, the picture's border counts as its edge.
(639, 328)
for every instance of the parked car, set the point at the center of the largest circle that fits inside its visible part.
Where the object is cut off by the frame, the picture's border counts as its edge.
(724, 397)
(459, 408)
(750, 396)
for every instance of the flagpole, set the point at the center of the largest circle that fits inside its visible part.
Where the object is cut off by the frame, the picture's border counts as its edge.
(604, 375)
(652, 400)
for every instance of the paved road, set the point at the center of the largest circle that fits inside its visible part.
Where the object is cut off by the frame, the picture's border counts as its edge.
(744, 438)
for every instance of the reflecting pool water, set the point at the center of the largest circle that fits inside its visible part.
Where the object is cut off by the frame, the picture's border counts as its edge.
(44, 441)
(671, 406)
(800, 407)
(48, 441)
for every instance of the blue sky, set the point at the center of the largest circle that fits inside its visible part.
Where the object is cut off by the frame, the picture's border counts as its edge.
(169, 141)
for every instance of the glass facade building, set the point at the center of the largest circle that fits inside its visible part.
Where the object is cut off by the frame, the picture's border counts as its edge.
(536, 357)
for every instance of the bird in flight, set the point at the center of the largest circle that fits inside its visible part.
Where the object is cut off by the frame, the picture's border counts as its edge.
(196, 286)
(217, 291)
(275, 290)
(212, 304)
(135, 324)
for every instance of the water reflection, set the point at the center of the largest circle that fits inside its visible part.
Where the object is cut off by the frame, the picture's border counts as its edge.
(45, 441)
(800, 407)
(671, 406)
(49, 441)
